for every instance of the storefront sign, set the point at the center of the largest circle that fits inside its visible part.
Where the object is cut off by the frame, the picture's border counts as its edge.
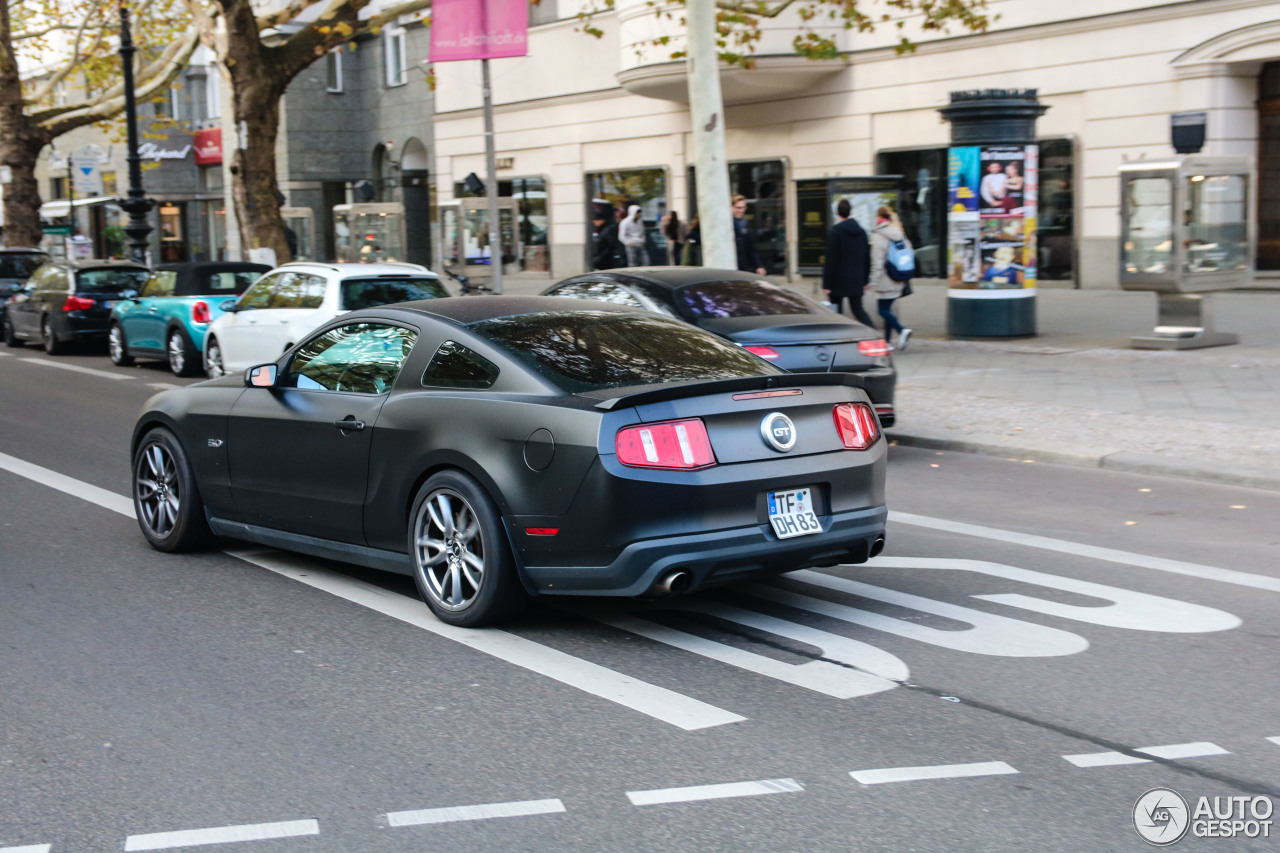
(487, 29)
(151, 151)
(208, 145)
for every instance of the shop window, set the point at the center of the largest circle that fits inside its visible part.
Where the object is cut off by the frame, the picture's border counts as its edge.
(532, 221)
(1269, 167)
(763, 182)
(1056, 230)
(173, 244)
(611, 194)
(394, 53)
(333, 71)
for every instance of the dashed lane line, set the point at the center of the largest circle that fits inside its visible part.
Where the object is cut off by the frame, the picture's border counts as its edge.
(935, 771)
(723, 791)
(484, 812)
(75, 368)
(1275, 740)
(30, 848)
(1111, 555)
(1104, 759)
(660, 703)
(1169, 752)
(221, 835)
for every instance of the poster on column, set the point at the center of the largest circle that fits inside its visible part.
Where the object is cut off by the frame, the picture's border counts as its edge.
(963, 235)
(478, 29)
(1007, 201)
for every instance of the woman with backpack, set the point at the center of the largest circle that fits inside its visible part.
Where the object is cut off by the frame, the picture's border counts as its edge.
(884, 237)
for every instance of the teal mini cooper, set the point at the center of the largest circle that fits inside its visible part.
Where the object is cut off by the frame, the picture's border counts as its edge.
(168, 317)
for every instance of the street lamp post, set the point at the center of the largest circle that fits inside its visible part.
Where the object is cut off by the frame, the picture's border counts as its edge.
(137, 205)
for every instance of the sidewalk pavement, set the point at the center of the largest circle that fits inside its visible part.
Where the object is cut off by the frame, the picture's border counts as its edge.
(1076, 393)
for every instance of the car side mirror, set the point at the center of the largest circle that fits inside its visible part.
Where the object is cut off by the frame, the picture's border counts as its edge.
(230, 306)
(262, 376)
(132, 295)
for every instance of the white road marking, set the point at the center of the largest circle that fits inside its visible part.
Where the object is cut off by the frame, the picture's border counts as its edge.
(1160, 564)
(649, 699)
(31, 848)
(67, 485)
(1104, 759)
(1184, 750)
(6, 849)
(936, 771)
(1275, 740)
(714, 792)
(164, 386)
(221, 835)
(666, 705)
(1137, 611)
(989, 635)
(485, 812)
(77, 368)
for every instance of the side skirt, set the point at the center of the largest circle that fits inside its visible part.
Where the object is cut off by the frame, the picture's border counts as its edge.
(371, 558)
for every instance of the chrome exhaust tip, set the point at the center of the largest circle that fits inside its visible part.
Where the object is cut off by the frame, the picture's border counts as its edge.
(876, 547)
(673, 583)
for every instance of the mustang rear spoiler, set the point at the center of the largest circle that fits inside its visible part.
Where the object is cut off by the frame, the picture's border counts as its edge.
(660, 393)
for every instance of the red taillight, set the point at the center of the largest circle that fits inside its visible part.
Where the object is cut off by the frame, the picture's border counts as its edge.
(200, 312)
(542, 531)
(764, 352)
(78, 303)
(877, 347)
(670, 444)
(857, 425)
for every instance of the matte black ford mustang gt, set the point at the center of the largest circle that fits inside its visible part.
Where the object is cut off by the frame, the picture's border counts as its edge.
(499, 447)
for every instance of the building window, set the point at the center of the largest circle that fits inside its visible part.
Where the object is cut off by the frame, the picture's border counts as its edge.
(58, 187)
(611, 194)
(394, 51)
(109, 184)
(764, 183)
(213, 93)
(1056, 229)
(543, 12)
(333, 70)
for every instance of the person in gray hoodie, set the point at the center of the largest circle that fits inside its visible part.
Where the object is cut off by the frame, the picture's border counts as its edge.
(632, 234)
(888, 230)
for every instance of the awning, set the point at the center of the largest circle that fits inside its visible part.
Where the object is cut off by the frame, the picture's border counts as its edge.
(62, 207)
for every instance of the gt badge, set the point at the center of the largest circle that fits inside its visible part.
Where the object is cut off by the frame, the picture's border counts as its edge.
(215, 442)
(778, 431)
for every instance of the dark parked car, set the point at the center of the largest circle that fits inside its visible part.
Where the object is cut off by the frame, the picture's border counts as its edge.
(66, 301)
(772, 321)
(499, 447)
(16, 266)
(169, 315)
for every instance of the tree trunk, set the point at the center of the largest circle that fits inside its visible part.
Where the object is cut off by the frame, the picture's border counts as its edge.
(257, 114)
(706, 111)
(20, 146)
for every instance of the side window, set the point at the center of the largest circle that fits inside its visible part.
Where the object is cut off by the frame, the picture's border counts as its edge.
(312, 290)
(160, 284)
(604, 291)
(360, 357)
(288, 291)
(259, 295)
(455, 366)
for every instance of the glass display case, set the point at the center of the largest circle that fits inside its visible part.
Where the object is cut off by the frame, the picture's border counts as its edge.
(464, 226)
(1186, 228)
(368, 233)
(301, 220)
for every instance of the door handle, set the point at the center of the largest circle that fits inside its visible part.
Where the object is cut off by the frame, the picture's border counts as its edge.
(349, 423)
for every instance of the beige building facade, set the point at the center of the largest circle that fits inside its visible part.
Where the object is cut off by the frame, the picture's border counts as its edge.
(585, 123)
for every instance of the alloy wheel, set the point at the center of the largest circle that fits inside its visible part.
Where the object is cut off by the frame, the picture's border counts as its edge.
(115, 344)
(449, 549)
(213, 361)
(156, 485)
(177, 354)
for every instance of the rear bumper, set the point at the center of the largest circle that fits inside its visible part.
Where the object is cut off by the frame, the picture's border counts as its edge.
(722, 556)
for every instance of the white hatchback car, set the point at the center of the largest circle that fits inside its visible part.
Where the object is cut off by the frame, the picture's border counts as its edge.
(280, 308)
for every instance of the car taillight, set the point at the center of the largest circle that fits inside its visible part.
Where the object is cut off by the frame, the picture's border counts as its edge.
(200, 312)
(764, 352)
(857, 425)
(78, 303)
(877, 347)
(670, 444)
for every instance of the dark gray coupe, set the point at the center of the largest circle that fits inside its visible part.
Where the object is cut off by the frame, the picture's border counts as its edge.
(504, 447)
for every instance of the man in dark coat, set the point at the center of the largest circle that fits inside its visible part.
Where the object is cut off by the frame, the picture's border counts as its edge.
(846, 268)
(744, 241)
(608, 252)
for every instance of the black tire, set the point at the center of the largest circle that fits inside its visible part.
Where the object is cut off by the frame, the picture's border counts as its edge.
(49, 337)
(118, 346)
(166, 498)
(11, 339)
(461, 559)
(213, 359)
(183, 358)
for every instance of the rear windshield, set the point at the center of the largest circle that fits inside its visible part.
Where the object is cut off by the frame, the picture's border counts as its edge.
(752, 298)
(20, 266)
(583, 351)
(217, 282)
(369, 292)
(110, 281)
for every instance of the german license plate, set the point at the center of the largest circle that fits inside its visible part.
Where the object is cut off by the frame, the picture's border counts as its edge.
(791, 513)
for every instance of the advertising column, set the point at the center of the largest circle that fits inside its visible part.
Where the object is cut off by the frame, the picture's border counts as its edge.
(993, 189)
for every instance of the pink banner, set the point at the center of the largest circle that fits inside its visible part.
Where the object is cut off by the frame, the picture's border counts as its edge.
(479, 29)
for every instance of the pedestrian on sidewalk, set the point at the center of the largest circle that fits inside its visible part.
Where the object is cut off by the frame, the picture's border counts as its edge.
(607, 252)
(888, 230)
(846, 266)
(691, 252)
(673, 230)
(744, 242)
(633, 235)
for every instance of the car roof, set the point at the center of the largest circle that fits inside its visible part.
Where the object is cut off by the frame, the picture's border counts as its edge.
(465, 310)
(14, 250)
(675, 278)
(224, 266)
(99, 263)
(345, 269)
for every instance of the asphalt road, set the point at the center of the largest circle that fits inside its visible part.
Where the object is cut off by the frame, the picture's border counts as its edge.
(1029, 631)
